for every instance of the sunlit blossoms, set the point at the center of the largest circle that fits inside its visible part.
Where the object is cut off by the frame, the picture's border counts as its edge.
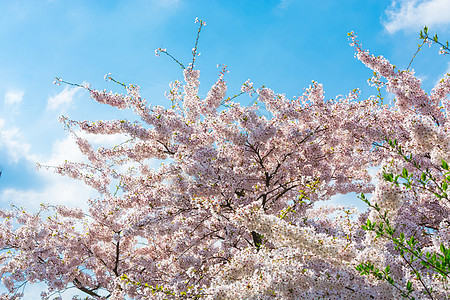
(231, 212)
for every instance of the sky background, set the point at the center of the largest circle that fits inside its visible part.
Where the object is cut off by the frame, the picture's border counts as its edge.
(283, 44)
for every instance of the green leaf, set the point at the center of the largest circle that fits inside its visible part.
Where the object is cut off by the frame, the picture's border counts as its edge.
(388, 177)
(405, 173)
(444, 165)
(423, 176)
(409, 286)
(438, 196)
(435, 38)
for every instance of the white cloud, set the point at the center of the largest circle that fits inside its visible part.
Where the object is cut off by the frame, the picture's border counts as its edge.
(67, 149)
(13, 98)
(11, 139)
(58, 190)
(63, 150)
(62, 99)
(441, 76)
(104, 140)
(413, 15)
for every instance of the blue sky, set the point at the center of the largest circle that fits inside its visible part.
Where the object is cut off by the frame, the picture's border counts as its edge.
(283, 44)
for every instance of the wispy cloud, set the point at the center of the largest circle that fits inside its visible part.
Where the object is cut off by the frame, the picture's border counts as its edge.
(441, 76)
(62, 150)
(284, 4)
(63, 99)
(67, 148)
(58, 190)
(12, 100)
(413, 15)
(12, 141)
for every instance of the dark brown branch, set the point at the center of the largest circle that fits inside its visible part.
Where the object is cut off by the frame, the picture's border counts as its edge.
(168, 151)
(278, 196)
(90, 292)
(116, 263)
(257, 240)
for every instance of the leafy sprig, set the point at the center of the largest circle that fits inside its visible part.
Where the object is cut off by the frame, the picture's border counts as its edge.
(408, 247)
(423, 35)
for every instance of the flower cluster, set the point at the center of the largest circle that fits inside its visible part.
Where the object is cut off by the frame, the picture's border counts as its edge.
(232, 212)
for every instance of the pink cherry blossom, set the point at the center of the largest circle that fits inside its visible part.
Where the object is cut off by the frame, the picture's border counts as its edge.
(232, 210)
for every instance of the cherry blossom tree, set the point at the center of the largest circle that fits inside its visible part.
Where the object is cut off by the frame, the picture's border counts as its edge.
(408, 226)
(232, 210)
